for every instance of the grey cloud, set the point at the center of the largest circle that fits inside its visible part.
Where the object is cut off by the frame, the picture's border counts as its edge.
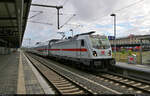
(89, 9)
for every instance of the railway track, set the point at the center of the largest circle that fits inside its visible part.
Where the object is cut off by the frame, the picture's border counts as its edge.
(132, 84)
(62, 84)
(136, 86)
(83, 82)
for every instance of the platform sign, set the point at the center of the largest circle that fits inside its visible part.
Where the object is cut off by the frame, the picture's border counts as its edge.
(111, 37)
(132, 59)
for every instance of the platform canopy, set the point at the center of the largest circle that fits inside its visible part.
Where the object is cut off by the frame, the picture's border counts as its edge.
(13, 19)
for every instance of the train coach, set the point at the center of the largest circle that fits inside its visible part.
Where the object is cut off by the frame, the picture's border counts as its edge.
(93, 51)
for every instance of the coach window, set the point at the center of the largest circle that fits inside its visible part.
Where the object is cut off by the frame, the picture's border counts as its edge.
(82, 43)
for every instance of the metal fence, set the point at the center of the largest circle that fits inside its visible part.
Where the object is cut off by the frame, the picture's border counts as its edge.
(133, 57)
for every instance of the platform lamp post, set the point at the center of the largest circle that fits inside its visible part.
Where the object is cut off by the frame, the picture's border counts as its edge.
(141, 51)
(114, 15)
(71, 31)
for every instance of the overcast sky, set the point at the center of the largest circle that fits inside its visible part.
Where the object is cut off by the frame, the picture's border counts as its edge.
(133, 17)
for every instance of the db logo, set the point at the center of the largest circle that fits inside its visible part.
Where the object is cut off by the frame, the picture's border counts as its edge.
(103, 52)
(131, 58)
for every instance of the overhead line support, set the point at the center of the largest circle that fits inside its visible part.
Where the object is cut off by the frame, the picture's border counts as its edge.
(57, 7)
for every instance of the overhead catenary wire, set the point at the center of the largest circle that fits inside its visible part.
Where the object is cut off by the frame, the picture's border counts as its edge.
(119, 10)
(68, 20)
(130, 5)
(48, 6)
(62, 2)
(39, 12)
(116, 11)
(65, 1)
(41, 22)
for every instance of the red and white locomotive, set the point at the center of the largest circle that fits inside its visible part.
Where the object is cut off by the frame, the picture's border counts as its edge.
(93, 51)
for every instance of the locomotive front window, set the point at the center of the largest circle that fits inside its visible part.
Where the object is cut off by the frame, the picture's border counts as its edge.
(100, 42)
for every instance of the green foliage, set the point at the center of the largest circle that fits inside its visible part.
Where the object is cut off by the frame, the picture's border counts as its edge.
(129, 52)
(123, 51)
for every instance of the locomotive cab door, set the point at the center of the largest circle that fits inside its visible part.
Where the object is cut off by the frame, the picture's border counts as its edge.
(49, 47)
(82, 47)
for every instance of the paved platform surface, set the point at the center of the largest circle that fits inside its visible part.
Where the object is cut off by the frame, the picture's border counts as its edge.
(9, 73)
(32, 85)
(138, 67)
(9, 76)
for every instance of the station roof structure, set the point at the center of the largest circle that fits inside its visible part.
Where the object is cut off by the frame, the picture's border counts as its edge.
(13, 20)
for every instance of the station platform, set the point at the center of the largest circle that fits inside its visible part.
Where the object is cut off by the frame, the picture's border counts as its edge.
(17, 76)
(137, 67)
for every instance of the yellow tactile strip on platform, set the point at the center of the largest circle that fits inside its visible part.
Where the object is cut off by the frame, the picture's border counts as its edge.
(21, 84)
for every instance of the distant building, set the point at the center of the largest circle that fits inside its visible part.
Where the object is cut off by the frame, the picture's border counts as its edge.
(132, 41)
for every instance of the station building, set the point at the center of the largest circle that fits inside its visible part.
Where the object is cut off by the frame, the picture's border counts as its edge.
(132, 41)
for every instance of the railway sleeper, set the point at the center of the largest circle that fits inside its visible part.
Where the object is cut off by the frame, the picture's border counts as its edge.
(126, 80)
(70, 90)
(68, 87)
(116, 78)
(130, 82)
(57, 81)
(61, 83)
(56, 78)
(144, 87)
(137, 84)
(78, 92)
(119, 79)
(64, 85)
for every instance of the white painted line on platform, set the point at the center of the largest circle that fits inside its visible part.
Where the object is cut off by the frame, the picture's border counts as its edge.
(88, 80)
(44, 85)
(21, 84)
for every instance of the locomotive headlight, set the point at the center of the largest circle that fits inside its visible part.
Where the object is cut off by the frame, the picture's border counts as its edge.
(94, 53)
(109, 53)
